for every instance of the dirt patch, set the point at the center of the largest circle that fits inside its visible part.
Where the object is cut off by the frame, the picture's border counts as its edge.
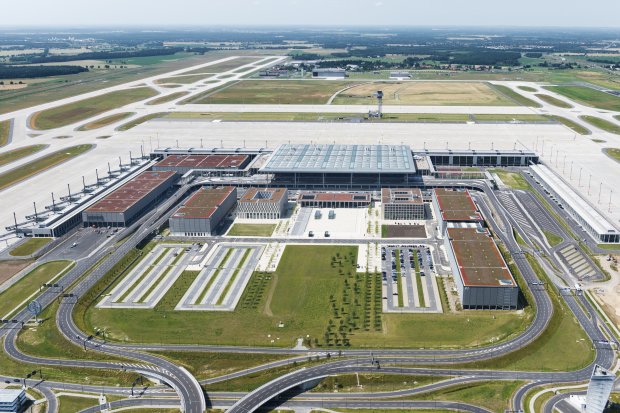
(405, 231)
(11, 267)
(608, 293)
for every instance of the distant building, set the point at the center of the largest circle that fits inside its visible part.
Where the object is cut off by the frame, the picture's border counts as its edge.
(329, 73)
(203, 212)
(263, 203)
(313, 199)
(400, 75)
(402, 204)
(599, 389)
(12, 400)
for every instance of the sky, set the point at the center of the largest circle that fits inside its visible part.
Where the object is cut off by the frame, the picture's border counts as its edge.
(80, 13)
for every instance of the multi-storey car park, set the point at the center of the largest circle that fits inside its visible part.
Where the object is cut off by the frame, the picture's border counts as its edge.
(402, 204)
(263, 203)
(454, 207)
(123, 206)
(200, 215)
(480, 273)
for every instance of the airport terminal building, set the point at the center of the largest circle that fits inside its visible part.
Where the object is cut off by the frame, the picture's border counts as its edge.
(481, 275)
(200, 215)
(402, 204)
(313, 199)
(263, 203)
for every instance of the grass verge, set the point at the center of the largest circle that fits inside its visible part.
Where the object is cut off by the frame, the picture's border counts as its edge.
(42, 164)
(588, 96)
(520, 99)
(16, 154)
(251, 230)
(528, 89)
(83, 109)
(572, 125)
(5, 128)
(140, 120)
(29, 247)
(554, 101)
(553, 238)
(72, 404)
(108, 120)
(167, 98)
(613, 153)
(603, 124)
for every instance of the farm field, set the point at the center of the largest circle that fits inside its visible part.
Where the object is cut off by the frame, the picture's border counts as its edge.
(16, 154)
(108, 120)
(275, 92)
(46, 162)
(588, 96)
(83, 109)
(424, 93)
(306, 291)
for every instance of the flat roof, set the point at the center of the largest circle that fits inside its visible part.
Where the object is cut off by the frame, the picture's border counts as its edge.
(478, 258)
(204, 202)
(263, 195)
(341, 159)
(9, 395)
(203, 161)
(456, 205)
(597, 221)
(402, 196)
(335, 196)
(130, 193)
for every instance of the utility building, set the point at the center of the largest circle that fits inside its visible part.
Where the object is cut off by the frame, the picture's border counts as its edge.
(329, 73)
(123, 206)
(481, 275)
(402, 204)
(203, 212)
(263, 203)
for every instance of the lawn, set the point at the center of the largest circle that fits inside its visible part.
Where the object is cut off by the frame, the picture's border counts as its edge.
(603, 124)
(554, 101)
(528, 88)
(274, 92)
(252, 230)
(42, 164)
(588, 96)
(5, 128)
(140, 120)
(424, 93)
(572, 125)
(30, 283)
(15, 154)
(167, 98)
(553, 239)
(613, 153)
(520, 99)
(72, 404)
(315, 291)
(512, 179)
(82, 109)
(29, 247)
(108, 120)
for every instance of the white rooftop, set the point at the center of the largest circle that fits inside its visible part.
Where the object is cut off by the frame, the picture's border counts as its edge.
(9, 395)
(589, 214)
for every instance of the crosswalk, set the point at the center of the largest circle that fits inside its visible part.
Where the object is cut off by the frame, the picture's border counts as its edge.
(515, 211)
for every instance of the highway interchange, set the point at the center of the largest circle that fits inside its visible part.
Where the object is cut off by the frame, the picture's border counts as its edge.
(186, 391)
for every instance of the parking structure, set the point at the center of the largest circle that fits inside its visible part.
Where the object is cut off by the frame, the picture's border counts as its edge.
(223, 278)
(408, 282)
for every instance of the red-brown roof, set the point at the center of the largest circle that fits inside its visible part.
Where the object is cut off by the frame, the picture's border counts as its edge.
(204, 202)
(203, 161)
(457, 206)
(263, 195)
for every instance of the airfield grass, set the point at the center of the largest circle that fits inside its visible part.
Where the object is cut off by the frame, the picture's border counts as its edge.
(510, 118)
(15, 154)
(72, 404)
(29, 247)
(553, 239)
(274, 92)
(108, 120)
(554, 101)
(252, 230)
(613, 153)
(617, 117)
(302, 294)
(424, 93)
(528, 88)
(138, 121)
(224, 66)
(167, 98)
(588, 96)
(572, 125)
(512, 179)
(603, 124)
(5, 128)
(82, 109)
(185, 79)
(516, 97)
(22, 289)
(46, 162)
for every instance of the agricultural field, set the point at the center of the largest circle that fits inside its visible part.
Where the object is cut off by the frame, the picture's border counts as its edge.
(424, 93)
(42, 164)
(108, 120)
(16, 154)
(603, 124)
(314, 291)
(83, 109)
(589, 97)
(274, 92)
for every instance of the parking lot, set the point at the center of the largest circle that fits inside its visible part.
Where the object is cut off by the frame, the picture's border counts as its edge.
(408, 279)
